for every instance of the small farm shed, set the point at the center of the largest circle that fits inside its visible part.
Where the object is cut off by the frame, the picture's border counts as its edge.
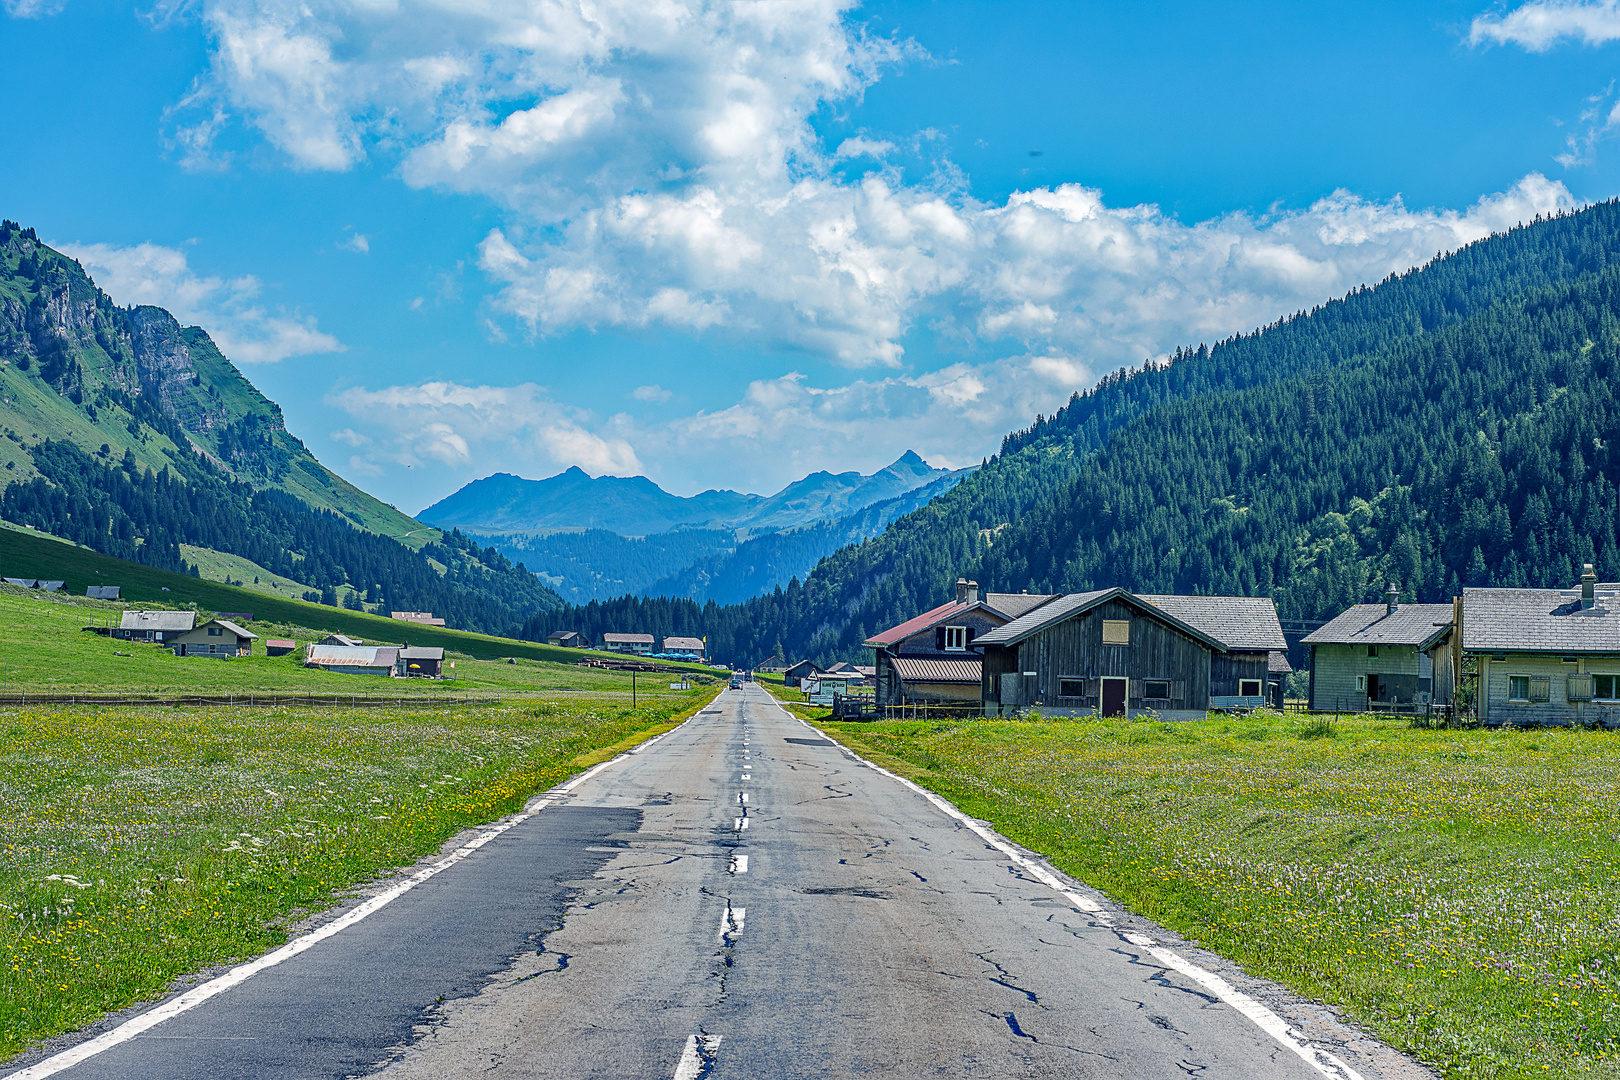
(640, 644)
(354, 659)
(943, 636)
(421, 661)
(795, 674)
(216, 637)
(1380, 654)
(341, 639)
(159, 627)
(1543, 656)
(1115, 653)
(569, 639)
(279, 646)
(103, 592)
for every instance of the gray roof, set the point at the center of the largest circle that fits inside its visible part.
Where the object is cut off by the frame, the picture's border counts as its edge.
(1013, 604)
(1374, 624)
(422, 652)
(233, 628)
(158, 620)
(628, 639)
(1238, 622)
(1227, 622)
(1540, 620)
(1277, 663)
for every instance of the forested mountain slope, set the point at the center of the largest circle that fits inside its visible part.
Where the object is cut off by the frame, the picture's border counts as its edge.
(131, 435)
(1453, 425)
(75, 366)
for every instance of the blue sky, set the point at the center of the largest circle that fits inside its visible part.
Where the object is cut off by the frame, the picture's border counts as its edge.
(725, 245)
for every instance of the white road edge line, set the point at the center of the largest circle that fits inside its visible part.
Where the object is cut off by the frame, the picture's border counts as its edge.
(691, 1062)
(189, 1000)
(1321, 1060)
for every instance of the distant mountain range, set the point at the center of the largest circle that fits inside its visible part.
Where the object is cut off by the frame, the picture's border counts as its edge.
(635, 506)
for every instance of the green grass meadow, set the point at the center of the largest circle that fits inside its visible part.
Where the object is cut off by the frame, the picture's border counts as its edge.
(1456, 891)
(141, 844)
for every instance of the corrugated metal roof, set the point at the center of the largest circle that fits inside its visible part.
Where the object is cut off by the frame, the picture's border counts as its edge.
(1374, 624)
(280, 643)
(1541, 620)
(158, 620)
(628, 639)
(913, 625)
(920, 669)
(1238, 622)
(691, 644)
(352, 655)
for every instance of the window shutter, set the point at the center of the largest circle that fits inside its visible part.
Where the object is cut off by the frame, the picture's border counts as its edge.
(1579, 688)
(1540, 688)
(939, 638)
(1135, 688)
(970, 633)
(1178, 690)
(1093, 687)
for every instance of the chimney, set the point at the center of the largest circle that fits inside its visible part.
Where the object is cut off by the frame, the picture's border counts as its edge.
(973, 592)
(1392, 599)
(1588, 586)
(961, 590)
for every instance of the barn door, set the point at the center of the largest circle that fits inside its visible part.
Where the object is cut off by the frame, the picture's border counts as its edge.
(1113, 697)
(1011, 682)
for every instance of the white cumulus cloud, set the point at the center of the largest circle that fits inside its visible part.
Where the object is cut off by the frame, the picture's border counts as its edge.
(228, 308)
(1540, 25)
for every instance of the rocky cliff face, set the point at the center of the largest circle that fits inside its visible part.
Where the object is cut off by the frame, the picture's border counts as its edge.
(164, 365)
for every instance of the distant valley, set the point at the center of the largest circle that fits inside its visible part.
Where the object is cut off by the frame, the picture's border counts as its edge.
(595, 538)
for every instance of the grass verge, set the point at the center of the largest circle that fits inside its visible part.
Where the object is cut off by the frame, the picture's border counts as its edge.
(140, 845)
(1455, 891)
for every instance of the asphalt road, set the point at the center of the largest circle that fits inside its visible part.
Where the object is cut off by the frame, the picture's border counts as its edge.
(743, 899)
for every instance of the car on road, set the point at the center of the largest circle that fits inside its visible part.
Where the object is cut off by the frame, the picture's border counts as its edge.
(736, 682)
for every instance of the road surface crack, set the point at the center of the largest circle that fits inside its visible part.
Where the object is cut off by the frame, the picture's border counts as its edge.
(1006, 980)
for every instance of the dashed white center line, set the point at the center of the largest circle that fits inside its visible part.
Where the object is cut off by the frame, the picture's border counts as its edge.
(739, 864)
(691, 1063)
(745, 776)
(742, 823)
(742, 796)
(732, 921)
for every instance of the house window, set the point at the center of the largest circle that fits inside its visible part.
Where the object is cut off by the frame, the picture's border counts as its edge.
(1372, 652)
(1606, 687)
(1071, 688)
(955, 638)
(1518, 688)
(1361, 684)
(1116, 632)
(1248, 688)
(1156, 688)
(216, 631)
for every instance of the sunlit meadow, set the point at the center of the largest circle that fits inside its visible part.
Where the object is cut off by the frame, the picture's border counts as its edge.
(1455, 891)
(138, 845)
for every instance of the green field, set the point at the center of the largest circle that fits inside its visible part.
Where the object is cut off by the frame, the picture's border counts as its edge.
(36, 658)
(143, 844)
(1458, 892)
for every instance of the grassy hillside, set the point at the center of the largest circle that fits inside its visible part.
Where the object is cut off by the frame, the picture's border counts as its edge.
(30, 555)
(76, 367)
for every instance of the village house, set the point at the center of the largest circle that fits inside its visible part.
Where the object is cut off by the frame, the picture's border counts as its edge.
(354, 659)
(795, 674)
(1114, 653)
(424, 618)
(929, 660)
(1543, 656)
(421, 662)
(1375, 655)
(216, 637)
(158, 627)
(103, 592)
(684, 648)
(569, 639)
(639, 644)
(341, 639)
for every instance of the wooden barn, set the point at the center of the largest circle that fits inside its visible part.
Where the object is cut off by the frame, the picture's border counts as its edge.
(1116, 653)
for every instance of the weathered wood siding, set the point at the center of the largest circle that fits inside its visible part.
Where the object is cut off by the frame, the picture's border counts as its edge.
(1073, 649)
(1495, 708)
(1228, 670)
(1335, 668)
